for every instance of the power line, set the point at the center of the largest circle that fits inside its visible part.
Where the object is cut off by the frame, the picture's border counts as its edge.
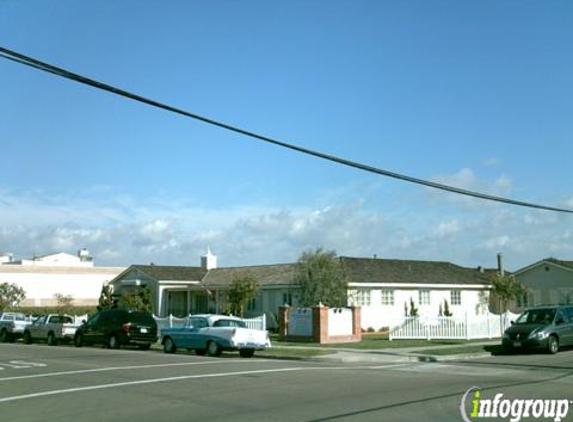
(37, 64)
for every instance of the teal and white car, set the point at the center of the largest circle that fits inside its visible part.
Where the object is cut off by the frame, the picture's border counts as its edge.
(213, 334)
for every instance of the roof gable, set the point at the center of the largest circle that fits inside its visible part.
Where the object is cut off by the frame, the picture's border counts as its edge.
(565, 265)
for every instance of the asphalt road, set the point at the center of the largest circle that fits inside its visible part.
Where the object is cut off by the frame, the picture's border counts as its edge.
(42, 383)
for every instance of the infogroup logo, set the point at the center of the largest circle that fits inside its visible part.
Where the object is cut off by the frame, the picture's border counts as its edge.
(475, 407)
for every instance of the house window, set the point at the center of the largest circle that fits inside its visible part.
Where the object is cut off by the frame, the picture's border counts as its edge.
(424, 297)
(387, 297)
(287, 299)
(362, 297)
(456, 297)
(523, 301)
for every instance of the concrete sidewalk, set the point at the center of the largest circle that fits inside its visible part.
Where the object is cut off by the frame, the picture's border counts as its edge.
(398, 355)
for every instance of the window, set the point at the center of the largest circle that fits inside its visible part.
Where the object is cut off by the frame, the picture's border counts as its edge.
(362, 297)
(424, 297)
(387, 297)
(287, 299)
(456, 297)
(229, 323)
(523, 301)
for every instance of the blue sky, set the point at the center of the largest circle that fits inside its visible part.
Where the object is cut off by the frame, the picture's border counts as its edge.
(473, 94)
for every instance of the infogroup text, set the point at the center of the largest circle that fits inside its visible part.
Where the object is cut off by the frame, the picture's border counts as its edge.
(474, 407)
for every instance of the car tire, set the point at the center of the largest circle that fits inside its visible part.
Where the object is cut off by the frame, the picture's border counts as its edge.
(213, 349)
(247, 353)
(553, 344)
(168, 345)
(51, 339)
(112, 342)
(27, 338)
(79, 340)
(4, 337)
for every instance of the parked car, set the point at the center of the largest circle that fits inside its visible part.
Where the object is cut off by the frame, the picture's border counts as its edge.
(51, 328)
(118, 327)
(548, 327)
(213, 334)
(12, 325)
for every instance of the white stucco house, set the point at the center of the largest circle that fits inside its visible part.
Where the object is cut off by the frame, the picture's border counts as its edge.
(548, 281)
(381, 287)
(44, 276)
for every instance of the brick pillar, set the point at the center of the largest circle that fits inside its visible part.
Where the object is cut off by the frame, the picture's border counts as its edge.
(283, 321)
(320, 324)
(356, 322)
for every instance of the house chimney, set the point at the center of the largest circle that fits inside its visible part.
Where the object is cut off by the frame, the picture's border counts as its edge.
(500, 268)
(209, 261)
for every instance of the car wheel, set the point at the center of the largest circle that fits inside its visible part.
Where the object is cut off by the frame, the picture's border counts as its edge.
(169, 345)
(112, 342)
(27, 338)
(51, 339)
(213, 349)
(247, 353)
(79, 340)
(553, 344)
(200, 352)
(4, 335)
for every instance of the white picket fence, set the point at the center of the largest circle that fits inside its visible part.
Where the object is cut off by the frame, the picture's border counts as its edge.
(257, 323)
(467, 327)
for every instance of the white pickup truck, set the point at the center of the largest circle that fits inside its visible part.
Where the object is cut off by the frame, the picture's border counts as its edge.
(51, 328)
(12, 326)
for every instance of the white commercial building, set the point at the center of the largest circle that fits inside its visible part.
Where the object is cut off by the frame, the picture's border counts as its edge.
(43, 277)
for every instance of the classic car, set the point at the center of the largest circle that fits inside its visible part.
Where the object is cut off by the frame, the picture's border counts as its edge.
(213, 334)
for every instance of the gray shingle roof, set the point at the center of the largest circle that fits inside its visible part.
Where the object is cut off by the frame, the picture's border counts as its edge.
(374, 270)
(265, 274)
(358, 270)
(173, 273)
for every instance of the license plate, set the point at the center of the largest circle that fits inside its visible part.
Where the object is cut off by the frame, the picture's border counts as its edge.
(143, 330)
(517, 344)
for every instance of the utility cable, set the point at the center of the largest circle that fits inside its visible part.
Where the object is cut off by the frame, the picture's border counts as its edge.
(37, 64)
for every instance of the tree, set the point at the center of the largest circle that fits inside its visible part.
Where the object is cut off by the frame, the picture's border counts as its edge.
(413, 309)
(447, 312)
(10, 295)
(321, 278)
(506, 289)
(64, 303)
(243, 290)
(105, 298)
(139, 299)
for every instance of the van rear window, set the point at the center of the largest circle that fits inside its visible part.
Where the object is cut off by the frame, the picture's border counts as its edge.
(141, 318)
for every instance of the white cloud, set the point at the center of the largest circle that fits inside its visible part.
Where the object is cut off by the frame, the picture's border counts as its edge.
(121, 231)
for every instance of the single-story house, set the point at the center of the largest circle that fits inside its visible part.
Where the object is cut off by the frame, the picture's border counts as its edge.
(382, 287)
(548, 281)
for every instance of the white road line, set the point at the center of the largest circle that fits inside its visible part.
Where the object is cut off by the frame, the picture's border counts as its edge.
(120, 368)
(148, 381)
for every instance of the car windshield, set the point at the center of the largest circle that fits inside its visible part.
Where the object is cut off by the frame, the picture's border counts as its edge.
(536, 316)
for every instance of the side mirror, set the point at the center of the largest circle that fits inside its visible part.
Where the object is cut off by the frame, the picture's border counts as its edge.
(512, 322)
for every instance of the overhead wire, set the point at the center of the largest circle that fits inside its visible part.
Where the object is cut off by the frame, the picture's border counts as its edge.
(46, 67)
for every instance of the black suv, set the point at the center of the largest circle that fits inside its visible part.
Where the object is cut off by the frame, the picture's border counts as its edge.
(118, 327)
(548, 327)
